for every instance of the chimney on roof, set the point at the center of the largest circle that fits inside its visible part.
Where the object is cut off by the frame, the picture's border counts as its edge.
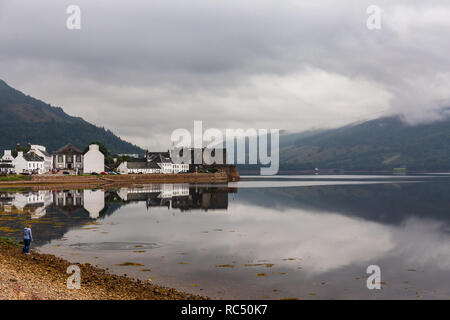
(20, 154)
(94, 147)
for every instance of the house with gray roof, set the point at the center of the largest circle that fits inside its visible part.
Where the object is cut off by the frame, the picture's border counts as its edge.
(68, 157)
(42, 152)
(7, 163)
(29, 162)
(6, 166)
(152, 162)
(139, 166)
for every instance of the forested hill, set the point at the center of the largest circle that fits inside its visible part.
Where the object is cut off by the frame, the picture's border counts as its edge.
(28, 120)
(381, 144)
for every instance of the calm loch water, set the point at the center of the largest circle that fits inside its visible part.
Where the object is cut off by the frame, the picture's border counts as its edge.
(305, 237)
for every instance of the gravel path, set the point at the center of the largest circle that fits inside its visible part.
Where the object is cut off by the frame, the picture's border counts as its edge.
(43, 277)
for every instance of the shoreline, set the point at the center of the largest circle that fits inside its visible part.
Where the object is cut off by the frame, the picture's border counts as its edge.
(101, 181)
(40, 276)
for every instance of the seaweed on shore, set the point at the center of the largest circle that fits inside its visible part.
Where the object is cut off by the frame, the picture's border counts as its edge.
(10, 241)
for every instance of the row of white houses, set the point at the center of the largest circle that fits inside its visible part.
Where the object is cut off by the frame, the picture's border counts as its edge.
(38, 160)
(153, 162)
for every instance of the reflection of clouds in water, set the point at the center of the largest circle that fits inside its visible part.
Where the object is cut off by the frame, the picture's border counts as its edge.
(323, 241)
(326, 241)
(114, 246)
(423, 242)
(319, 241)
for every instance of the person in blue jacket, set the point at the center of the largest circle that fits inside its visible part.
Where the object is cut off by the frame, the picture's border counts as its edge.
(27, 238)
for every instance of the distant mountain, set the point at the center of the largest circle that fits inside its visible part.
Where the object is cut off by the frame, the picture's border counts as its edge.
(287, 139)
(27, 120)
(381, 144)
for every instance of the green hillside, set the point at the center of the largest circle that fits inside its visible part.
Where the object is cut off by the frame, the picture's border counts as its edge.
(381, 144)
(27, 120)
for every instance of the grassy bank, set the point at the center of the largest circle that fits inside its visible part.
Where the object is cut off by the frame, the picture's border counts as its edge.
(43, 277)
(17, 177)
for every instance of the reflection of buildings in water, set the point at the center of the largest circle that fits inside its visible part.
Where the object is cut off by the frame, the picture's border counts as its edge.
(155, 195)
(94, 202)
(203, 199)
(91, 200)
(72, 202)
(177, 196)
(68, 201)
(33, 202)
(162, 191)
(36, 203)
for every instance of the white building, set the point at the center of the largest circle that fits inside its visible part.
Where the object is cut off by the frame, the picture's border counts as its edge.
(182, 167)
(94, 160)
(41, 151)
(164, 161)
(7, 163)
(68, 157)
(138, 167)
(7, 156)
(153, 162)
(28, 163)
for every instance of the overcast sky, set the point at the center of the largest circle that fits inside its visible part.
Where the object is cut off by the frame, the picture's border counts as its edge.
(144, 68)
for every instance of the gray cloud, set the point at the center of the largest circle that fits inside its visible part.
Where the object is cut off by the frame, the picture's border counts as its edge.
(145, 68)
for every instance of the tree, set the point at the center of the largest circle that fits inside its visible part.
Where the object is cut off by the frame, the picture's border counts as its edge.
(18, 148)
(121, 159)
(109, 162)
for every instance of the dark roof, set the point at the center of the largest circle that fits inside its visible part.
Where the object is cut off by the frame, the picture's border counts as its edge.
(68, 149)
(6, 165)
(201, 153)
(45, 153)
(32, 157)
(142, 196)
(165, 154)
(142, 165)
(159, 157)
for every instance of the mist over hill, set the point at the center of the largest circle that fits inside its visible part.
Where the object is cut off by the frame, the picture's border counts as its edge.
(381, 144)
